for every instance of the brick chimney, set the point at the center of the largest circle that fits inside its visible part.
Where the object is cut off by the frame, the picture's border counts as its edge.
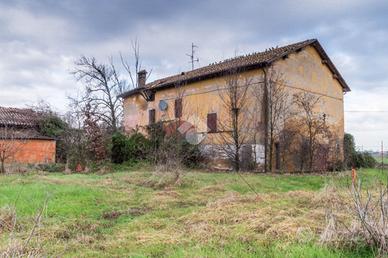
(141, 78)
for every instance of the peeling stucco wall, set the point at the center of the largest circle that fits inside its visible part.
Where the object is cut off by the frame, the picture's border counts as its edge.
(302, 71)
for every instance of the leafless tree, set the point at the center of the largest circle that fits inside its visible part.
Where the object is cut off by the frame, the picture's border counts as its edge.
(74, 139)
(234, 129)
(368, 211)
(312, 124)
(133, 69)
(11, 142)
(95, 135)
(274, 100)
(102, 85)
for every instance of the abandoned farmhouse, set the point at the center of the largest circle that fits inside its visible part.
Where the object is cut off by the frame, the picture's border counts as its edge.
(282, 108)
(20, 141)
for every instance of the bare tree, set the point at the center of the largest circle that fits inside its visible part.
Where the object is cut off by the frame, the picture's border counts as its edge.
(133, 69)
(234, 128)
(74, 139)
(102, 85)
(95, 135)
(11, 142)
(274, 99)
(313, 124)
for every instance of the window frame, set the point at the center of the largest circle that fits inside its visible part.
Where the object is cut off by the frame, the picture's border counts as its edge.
(151, 116)
(211, 122)
(178, 108)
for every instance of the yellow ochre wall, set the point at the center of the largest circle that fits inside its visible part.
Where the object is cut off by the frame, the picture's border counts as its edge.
(302, 71)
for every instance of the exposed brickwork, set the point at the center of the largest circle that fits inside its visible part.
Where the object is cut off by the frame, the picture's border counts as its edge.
(33, 151)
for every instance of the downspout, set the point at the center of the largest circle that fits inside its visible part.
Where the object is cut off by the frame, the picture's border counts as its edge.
(265, 109)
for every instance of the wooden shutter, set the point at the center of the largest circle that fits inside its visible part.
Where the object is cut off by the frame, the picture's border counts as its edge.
(151, 116)
(212, 122)
(178, 108)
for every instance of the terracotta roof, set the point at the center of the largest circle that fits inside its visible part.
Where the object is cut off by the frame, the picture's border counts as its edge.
(22, 134)
(18, 117)
(246, 62)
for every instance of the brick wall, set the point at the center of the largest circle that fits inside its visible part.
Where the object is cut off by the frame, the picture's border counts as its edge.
(31, 151)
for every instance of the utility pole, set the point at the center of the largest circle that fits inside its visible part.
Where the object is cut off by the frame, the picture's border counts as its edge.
(192, 56)
(382, 156)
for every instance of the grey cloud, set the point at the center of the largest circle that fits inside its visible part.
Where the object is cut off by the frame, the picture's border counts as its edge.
(41, 39)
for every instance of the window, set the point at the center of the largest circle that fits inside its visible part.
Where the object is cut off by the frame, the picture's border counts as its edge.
(151, 116)
(178, 108)
(212, 122)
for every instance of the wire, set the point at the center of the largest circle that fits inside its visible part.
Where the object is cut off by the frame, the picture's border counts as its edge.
(366, 111)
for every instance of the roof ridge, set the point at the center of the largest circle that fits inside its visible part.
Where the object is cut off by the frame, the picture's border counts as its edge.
(236, 58)
(18, 116)
(248, 61)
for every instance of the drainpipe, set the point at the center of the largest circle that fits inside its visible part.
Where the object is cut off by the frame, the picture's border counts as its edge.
(265, 109)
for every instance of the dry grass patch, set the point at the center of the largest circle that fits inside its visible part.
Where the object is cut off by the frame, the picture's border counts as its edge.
(273, 216)
(133, 212)
(7, 219)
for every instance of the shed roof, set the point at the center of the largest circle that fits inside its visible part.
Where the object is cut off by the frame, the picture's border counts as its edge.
(18, 117)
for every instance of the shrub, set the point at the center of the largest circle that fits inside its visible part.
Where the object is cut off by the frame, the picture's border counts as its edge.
(354, 158)
(191, 154)
(129, 148)
(349, 150)
(138, 147)
(54, 167)
(158, 148)
(118, 149)
(53, 126)
(364, 160)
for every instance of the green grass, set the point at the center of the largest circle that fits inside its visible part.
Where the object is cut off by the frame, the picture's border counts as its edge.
(207, 215)
(378, 159)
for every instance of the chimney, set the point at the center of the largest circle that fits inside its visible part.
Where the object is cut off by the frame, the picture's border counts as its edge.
(141, 78)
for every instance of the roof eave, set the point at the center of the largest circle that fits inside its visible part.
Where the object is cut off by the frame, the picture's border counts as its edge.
(331, 66)
(314, 42)
(210, 76)
(130, 93)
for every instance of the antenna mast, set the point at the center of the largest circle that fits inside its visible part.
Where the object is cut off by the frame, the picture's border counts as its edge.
(192, 56)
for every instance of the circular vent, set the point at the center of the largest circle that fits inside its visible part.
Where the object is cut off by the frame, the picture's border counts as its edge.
(163, 105)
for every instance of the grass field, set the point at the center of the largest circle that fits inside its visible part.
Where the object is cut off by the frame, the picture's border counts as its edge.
(130, 213)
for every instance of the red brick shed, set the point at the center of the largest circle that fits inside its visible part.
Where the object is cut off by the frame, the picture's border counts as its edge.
(20, 140)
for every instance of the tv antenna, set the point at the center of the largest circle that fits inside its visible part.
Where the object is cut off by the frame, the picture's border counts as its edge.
(192, 56)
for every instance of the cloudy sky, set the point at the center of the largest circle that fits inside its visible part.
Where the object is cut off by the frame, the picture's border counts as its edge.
(40, 39)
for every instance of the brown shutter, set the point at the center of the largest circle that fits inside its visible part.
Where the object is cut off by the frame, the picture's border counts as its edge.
(178, 108)
(212, 122)
(151, 116)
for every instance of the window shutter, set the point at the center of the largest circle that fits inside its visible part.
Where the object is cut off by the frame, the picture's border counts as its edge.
(151, 116)
(178, 108)
(212, 122)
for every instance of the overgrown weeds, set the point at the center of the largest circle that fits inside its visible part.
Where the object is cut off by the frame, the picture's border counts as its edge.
(17, 247)
(7, 219)
(367, 222)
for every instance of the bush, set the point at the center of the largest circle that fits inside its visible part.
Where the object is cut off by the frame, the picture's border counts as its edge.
(138, 147)
(53, 126)
(54, 167)
(354, 158)
(118, 149)
(191, 155)
(364, 160)
(132, 148)
(349, 150)
(159, 148)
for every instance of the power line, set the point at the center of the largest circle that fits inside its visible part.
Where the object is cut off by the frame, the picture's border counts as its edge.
(366, 111)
